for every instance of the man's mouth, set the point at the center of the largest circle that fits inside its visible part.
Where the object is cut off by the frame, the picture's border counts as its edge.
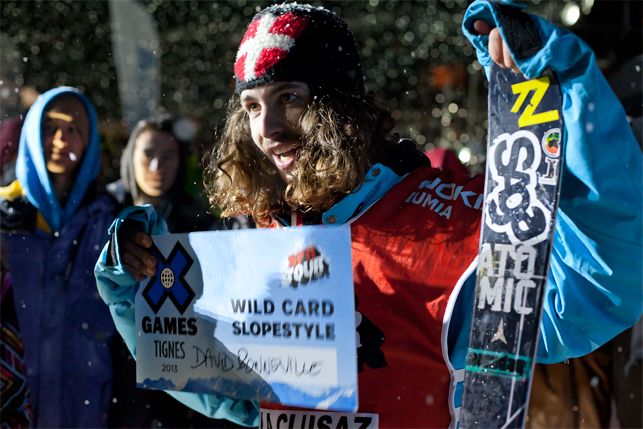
(284, 155)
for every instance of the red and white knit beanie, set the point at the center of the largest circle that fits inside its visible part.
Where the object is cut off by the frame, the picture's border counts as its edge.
(293, 42)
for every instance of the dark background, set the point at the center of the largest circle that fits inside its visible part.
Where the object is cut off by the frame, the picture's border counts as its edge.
(414, 53)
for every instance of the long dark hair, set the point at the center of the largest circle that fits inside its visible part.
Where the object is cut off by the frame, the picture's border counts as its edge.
(165, 124)
(343, 135)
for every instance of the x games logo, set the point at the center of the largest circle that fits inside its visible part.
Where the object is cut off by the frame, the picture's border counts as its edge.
(169, 281)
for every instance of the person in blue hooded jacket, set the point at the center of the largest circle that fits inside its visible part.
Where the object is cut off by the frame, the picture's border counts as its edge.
(54, 219)
(414, 268)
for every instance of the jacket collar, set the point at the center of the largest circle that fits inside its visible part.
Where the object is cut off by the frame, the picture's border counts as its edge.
(379, 180)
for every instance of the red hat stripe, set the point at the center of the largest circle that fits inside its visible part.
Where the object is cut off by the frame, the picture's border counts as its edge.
(251, 31)
(240, 66)
(268, 58)
(267, 41)
(289, 24)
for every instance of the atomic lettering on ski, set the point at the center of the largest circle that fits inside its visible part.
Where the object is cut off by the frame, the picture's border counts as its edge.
(506, 280)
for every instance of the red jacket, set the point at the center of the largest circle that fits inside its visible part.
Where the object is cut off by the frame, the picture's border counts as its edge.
(405, 278)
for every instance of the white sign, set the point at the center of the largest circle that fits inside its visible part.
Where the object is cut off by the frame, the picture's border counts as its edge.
(266, 315)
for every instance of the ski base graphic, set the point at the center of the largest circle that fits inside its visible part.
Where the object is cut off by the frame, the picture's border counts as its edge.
(524, 158)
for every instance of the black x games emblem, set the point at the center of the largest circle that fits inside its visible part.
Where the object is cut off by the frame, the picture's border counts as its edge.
(169, 281)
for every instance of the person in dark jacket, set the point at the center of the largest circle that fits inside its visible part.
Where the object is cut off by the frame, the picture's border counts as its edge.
(153, 171)
(54, 220)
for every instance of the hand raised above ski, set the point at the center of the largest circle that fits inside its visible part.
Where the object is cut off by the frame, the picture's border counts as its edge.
(498, 49)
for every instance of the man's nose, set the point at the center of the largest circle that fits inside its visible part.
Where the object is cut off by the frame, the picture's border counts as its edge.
(272, 123)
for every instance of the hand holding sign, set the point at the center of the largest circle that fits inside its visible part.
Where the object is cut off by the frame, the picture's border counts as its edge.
(138, 261)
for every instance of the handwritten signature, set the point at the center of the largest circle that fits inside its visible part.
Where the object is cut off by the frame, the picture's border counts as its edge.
(266, 365)
(219, 360)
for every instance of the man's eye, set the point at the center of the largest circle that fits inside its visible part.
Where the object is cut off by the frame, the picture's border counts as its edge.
(287, 98)
(253, 107)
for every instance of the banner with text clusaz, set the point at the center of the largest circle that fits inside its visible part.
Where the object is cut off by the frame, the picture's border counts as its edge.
(265, 315)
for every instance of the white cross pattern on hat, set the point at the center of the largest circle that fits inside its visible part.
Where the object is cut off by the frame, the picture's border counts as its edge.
(266, 42)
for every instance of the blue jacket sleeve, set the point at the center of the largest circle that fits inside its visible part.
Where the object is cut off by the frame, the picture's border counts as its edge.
(118, 289)
(595, 282)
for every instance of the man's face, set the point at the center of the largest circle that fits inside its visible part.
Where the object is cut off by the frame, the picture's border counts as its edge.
(274, 111)
(156, 161)
(64, 129)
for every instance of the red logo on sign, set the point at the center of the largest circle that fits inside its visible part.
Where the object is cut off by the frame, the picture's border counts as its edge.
(305, 266)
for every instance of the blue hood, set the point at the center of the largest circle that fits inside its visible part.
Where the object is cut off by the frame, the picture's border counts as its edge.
(31, 170)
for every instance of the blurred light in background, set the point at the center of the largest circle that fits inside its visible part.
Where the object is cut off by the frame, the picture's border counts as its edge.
(465, 155)
(570, 14)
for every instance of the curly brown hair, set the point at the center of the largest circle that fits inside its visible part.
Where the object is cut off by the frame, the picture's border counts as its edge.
(342, 136)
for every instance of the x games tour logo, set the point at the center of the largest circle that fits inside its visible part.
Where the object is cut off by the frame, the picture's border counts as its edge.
(304, 267)
(169, 281)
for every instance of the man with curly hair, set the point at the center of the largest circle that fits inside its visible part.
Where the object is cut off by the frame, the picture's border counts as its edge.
(304, 144)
